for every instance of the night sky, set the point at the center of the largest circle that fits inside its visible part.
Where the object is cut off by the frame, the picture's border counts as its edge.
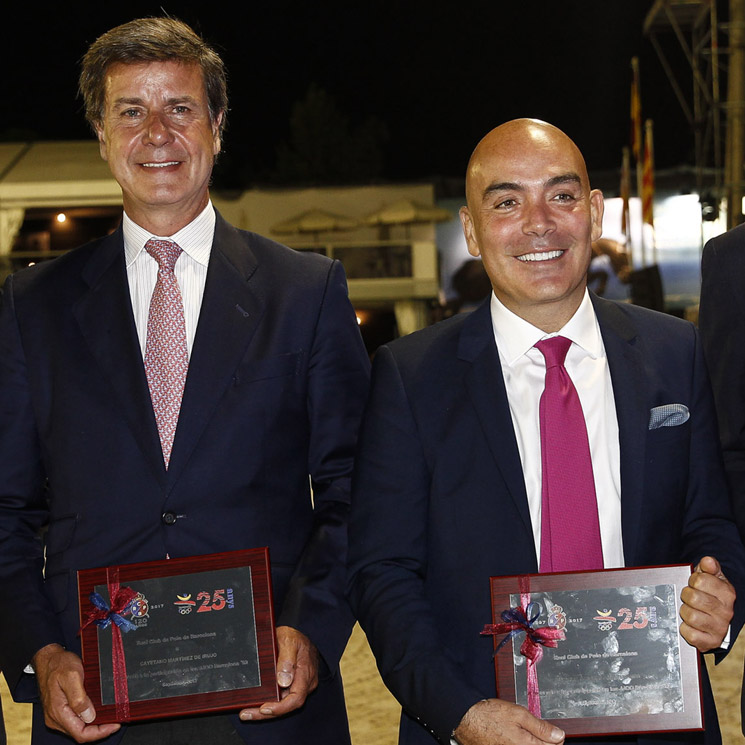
(435, 75)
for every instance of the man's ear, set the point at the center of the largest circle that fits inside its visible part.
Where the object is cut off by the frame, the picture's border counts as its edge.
(216, 140)
(466, 222)
(101, 142)
(597, 206)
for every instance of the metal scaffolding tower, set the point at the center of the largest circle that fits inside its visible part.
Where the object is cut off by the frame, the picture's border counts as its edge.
(718, 123)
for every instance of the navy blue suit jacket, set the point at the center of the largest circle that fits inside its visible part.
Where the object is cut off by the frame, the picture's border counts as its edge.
(275, 388)
(439, 502)
(722, 322)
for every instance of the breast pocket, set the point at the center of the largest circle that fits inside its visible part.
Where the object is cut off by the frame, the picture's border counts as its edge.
(676, 434)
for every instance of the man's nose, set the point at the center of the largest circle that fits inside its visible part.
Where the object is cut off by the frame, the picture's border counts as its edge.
(157, 130)
(538, 219)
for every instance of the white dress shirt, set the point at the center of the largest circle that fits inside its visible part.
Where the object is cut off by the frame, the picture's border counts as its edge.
(524, 370)
(191, 269)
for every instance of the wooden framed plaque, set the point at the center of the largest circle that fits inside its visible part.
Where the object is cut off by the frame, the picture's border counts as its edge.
(619, 665)
(178, 636)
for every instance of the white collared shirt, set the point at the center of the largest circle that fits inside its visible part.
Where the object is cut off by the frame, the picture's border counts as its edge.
(524, 370)
(191, 269)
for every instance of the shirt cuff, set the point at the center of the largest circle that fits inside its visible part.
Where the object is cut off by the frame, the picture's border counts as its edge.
(727, 638)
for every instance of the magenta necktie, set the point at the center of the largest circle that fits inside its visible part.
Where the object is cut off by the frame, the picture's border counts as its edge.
(570, 531)
(166, 353)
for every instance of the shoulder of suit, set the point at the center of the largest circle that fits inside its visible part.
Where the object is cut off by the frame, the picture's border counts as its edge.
(656, 329)
(732, 240)
(266, 248)
(271, 259)
(437, 342)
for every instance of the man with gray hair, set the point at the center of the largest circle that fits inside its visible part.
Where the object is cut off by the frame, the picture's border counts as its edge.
(175, 389)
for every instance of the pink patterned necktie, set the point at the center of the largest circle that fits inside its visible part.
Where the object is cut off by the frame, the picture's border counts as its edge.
(570, 531)
(166, 353)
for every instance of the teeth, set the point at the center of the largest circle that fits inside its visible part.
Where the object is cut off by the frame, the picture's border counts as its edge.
(161, 165)
(542, 256)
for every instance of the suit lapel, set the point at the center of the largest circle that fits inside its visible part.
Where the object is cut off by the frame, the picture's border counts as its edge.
(231, 310)
(485, 386)
(104, 315)
(626, 364)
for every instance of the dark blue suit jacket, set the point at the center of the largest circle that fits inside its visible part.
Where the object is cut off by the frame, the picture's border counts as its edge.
(722, 322)
(275, 389)
(439, 502)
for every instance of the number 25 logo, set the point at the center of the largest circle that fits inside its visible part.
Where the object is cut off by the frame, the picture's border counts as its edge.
(641, 618)
(217, 601)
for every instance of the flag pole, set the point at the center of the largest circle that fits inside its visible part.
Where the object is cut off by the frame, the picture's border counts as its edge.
(648, 185)
(625, 200)
(636, 138)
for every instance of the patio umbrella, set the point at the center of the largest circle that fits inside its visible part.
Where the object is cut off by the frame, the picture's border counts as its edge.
(314, 221)
(407, 212)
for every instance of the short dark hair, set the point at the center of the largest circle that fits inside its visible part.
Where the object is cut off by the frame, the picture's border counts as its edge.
(151, 40)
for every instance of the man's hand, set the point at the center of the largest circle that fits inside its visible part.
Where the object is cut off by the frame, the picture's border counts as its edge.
(66, 705)
(708, 606)
(495, 722)
(297, 675)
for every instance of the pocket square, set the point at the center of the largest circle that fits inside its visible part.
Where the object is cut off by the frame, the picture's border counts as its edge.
(668, 415)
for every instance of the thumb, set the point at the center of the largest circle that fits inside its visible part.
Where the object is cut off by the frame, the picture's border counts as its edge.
(709, 565)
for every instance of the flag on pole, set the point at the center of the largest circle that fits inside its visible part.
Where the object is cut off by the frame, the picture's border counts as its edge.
(648, 176)
(636, 112)
(625, 195)
(636, 141)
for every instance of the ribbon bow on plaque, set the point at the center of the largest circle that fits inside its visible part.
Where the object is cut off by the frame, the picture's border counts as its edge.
(104, 616)
(520, 620)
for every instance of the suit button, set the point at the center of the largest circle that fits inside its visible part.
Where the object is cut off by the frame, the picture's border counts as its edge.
(168, 518)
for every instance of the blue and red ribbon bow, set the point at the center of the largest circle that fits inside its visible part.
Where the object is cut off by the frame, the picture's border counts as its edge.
(104, 616)
(520, 620)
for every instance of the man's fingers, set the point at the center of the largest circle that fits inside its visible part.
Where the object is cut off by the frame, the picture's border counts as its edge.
(709, 565)
(285, 676)
(71, 691)
(82, 732)
(297, 675)
(708, 606)
(495, 722)
(66, 705)
(288, 643)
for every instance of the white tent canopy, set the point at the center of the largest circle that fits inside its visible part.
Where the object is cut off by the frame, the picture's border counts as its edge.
(50, 174)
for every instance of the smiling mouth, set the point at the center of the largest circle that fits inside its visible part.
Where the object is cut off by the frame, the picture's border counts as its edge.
(540, 256)
(160, 165)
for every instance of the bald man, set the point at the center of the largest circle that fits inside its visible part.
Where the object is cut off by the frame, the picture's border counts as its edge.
(448, 482)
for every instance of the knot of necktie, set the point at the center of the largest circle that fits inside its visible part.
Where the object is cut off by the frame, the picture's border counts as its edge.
(165, 253)
(554, 350)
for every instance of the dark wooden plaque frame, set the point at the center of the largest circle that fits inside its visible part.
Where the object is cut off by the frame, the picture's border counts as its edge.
(690, 719)
(263, 609)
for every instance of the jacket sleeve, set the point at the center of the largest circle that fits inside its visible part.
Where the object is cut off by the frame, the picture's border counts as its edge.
(338, 379)
(388, 560)
(27, 620)
(722, 324)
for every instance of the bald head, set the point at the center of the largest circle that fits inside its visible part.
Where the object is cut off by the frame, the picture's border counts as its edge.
(532, 217)
(516, 140)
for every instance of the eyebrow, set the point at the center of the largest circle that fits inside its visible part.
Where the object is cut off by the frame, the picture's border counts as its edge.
(564, 178)
(137, 101)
